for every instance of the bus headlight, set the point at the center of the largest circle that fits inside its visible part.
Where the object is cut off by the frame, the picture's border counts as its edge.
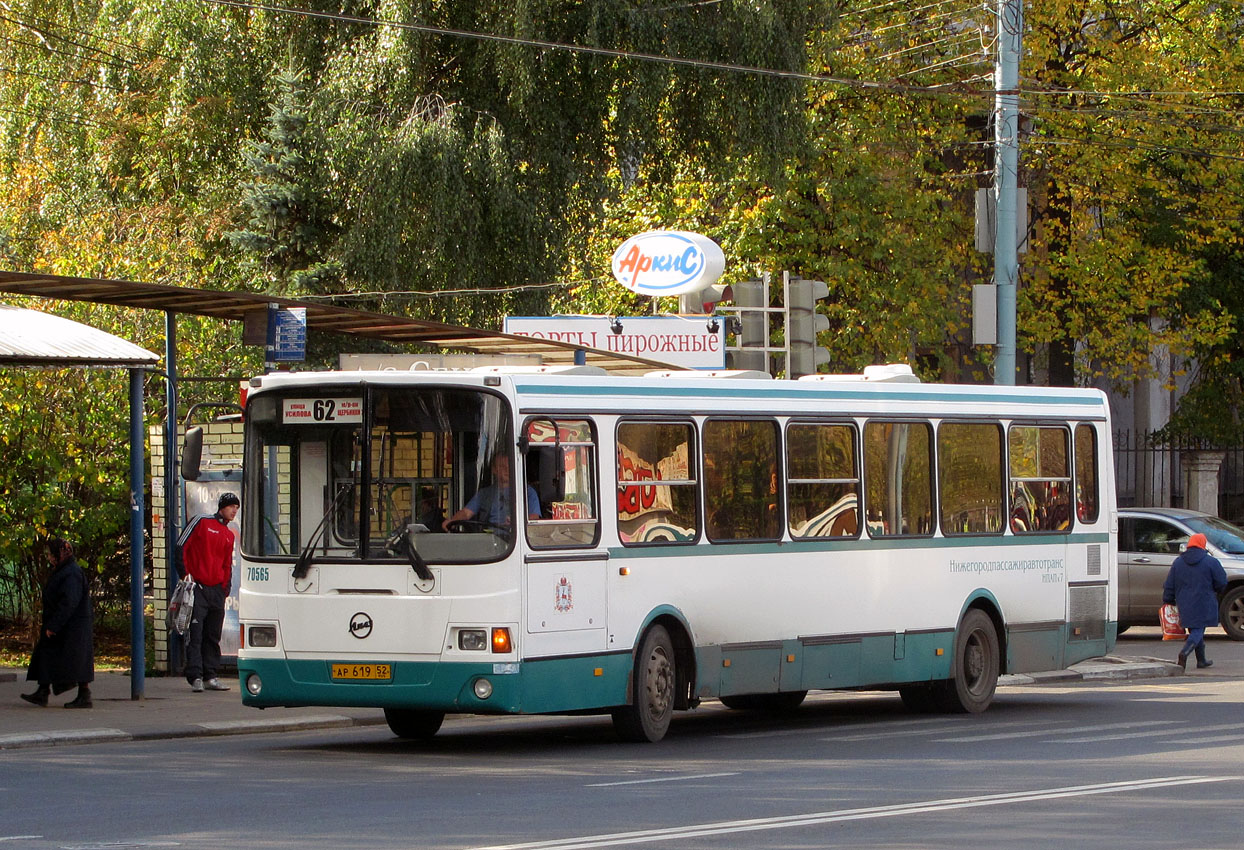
(254, 684)
(473, 640)
(262, 636)
(483, 688)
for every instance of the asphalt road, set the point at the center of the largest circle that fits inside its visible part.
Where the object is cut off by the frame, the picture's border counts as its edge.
(1139, 764)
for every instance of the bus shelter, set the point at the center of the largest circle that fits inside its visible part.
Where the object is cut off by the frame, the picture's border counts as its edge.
(31, 339)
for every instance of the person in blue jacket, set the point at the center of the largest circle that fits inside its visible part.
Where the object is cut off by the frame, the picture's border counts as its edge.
(1193, 584)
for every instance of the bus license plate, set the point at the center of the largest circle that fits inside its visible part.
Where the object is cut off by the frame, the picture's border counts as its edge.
(352, 672)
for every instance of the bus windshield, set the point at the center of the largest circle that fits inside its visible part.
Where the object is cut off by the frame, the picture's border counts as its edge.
(358, 473)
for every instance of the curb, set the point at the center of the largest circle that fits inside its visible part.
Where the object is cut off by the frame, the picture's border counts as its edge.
(195, 730)
(1146, 668)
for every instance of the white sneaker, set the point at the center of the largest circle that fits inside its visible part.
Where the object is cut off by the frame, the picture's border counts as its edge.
(214, 685)
(197, 686)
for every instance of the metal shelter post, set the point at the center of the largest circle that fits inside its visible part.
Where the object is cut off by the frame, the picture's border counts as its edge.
(172, 494)
(138, 661)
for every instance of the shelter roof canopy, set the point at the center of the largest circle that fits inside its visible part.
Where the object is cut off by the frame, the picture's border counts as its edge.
(32, 338)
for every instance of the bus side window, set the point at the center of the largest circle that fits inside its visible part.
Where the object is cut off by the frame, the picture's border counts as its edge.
(898, 478)
(823, 484)
(657, 489)
(561, 468)
(741, 480)
(1086, 473)
(1040, 479)
(969, 469)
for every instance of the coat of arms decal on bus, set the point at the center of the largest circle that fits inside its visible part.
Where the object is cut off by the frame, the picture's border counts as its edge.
(565, 600)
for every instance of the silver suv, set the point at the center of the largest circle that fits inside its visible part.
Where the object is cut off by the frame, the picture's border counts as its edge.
(1149, 541)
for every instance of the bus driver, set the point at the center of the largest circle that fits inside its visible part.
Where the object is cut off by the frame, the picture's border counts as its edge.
(491, 504)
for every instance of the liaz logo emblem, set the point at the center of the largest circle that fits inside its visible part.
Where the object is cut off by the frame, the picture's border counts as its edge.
(360, 625)
(564, 599)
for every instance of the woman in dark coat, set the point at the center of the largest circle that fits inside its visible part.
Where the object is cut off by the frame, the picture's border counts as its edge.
(1193, 584)
(65, 653)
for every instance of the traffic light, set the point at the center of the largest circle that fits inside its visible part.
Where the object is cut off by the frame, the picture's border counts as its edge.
(803, 323)
(751, 299)
(704, 300)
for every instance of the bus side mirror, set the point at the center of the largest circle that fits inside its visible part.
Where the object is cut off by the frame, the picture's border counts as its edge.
(550, 473)
(192, 454)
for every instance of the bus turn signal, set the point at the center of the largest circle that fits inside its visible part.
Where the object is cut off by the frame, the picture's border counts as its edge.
(500, 639)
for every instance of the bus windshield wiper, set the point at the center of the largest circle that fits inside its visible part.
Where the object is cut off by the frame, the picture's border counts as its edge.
(401, 540)
(306, 556)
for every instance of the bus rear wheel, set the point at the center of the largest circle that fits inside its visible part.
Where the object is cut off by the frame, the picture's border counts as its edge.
(413, 723)
(975, 677)
(647, 718)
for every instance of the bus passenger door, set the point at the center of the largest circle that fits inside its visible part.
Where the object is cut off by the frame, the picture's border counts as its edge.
(565, 573)
(566, 603)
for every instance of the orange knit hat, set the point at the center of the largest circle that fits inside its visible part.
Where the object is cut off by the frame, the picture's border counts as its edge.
(1197, 540)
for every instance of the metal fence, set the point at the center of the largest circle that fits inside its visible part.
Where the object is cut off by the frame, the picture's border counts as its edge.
(1151, 473)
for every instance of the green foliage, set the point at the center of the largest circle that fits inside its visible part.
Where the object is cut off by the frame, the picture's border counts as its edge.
(445, 178)
(61, 445)
(1128, 176)
(289, 230)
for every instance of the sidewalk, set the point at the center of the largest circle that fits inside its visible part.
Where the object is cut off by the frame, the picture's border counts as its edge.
(170, 710)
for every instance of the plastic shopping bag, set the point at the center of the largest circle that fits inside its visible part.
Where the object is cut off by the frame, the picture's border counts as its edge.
(1171, 629)
(181, 606)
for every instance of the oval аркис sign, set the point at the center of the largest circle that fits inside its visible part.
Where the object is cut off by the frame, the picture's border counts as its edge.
(668, 262)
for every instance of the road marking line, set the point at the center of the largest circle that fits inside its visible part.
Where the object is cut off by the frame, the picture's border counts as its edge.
(1184, 731)
(1070, 730)
(883, 727)
(933, 727)
(646, 836)
(19, 837)
(661, 779)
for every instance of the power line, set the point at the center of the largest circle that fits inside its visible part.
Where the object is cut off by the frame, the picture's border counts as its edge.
(1133, 144)
(580, 48)
(441, 293)
(91, 83)
(44, 22)
(42, 29)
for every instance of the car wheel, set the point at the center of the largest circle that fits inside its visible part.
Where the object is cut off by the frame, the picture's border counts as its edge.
(1231, 612)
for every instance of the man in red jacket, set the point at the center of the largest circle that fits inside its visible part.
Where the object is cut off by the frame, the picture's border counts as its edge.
(207, 554)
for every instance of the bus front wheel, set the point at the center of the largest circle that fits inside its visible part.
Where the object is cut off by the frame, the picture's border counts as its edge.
(647, 718)
(413, 723)
(970, 690)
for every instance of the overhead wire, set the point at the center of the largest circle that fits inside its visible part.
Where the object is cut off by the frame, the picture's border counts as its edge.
(612, 53)
(91, 83)
(442, 293)
(43, 30)
(45, 22)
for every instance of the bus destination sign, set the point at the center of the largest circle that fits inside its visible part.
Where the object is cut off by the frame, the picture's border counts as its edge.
(315, 411)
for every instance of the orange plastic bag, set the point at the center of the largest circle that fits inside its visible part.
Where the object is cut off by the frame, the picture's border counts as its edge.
(1171, 630)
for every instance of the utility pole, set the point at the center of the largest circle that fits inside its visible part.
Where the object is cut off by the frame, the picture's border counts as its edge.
(1010, 26)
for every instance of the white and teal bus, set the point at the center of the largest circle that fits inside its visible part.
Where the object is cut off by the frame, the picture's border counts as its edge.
(664, 540)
